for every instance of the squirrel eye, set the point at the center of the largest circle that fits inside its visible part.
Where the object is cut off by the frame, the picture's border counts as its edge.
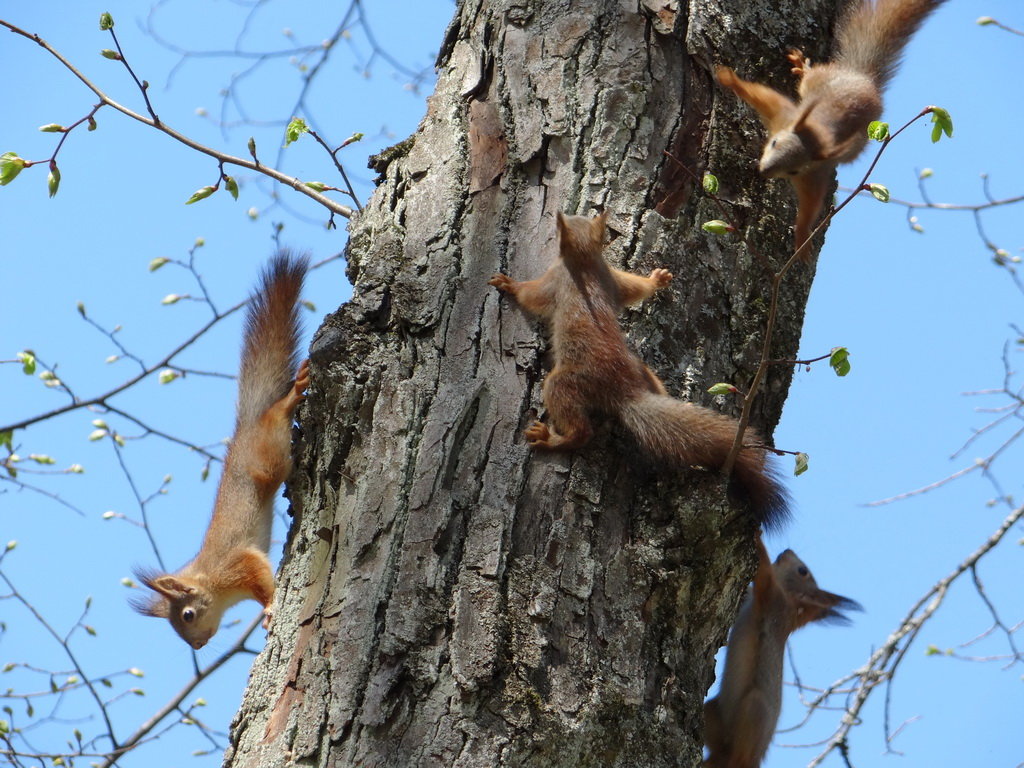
(802, 570)
(773, 143)
(188, 615)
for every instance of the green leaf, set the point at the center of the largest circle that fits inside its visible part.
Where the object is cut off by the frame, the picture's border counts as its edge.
(53, 180)
(716, 227)
(878, 130)
(28, 364)
(880, 192)
(231, 186)
(295, 128)
(106, 22)
(7, 439)
(106, 53)
(710, 183)
(932, 650)
(839, 360)
(171, 298)
(52, 128)
(92, 123)
(984, 21)
(943, 124)
(42, 458)
(10, 167)
(722, 389)
(167, 376)
(200, 194)
(316, 186)
(158, 262)
(801, 464)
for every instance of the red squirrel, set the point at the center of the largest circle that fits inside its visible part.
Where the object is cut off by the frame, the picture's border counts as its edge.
(596, 373)
(739, 723)
(828, 126)
(232, 563)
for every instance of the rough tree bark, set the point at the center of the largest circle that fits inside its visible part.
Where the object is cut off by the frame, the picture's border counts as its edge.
(447, 597)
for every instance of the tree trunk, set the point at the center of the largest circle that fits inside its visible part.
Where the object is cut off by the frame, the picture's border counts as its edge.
(448, 597)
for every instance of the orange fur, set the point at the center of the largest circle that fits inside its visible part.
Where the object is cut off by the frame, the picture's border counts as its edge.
(828, 126)
(232, 563)
(739, 723)
(595, 372)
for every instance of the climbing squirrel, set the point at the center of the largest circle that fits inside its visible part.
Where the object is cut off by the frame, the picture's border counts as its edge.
(232, 564)
(828, 126)
(739, 723)
(596, 373)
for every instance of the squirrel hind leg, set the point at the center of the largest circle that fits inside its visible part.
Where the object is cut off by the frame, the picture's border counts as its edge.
(570, 425)
(540, 435)
(754, 727)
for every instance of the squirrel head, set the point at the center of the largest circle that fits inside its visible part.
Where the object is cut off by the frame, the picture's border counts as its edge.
(806, 600)
(183, 602)
(787, 153)
(580, 240)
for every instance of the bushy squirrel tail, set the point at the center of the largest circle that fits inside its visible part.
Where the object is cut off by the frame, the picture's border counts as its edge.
(685, 434)
(270, 344)
(872, 36)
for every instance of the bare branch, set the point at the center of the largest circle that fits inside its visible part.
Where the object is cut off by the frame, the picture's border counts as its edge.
(154, 122)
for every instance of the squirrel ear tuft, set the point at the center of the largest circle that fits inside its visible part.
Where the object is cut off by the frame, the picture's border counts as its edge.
(158, 607)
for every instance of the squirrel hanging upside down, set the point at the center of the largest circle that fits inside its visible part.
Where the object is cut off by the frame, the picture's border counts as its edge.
(595, 372)
(232, 564)
(838, 100)
(739, 723)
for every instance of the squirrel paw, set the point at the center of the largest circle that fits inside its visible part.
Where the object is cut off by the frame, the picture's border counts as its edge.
(502, 283)
(799, 61)
(268, 614)
(661, 277)
(301, 379)
(298, 390)
(537, 434)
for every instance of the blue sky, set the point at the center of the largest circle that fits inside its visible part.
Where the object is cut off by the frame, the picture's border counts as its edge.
(924, 315)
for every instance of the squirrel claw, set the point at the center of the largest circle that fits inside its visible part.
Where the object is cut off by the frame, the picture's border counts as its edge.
(268, 614)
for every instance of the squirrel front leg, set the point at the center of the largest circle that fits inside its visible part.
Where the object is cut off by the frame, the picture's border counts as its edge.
(531, 295)
(811, 188)
(634, 288)
(776, 111)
